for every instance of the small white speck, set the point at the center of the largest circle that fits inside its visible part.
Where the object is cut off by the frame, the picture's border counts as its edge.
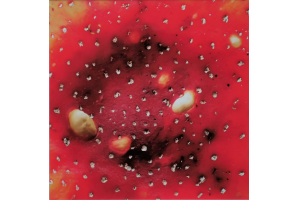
(199, 90)
(225, 18)
(240, 63)
(176, 121)
(242, 136)
(148, 113)
(137, 108)
(212, 45)
(164, 182)
(200, 195)
(105, 74)
(214, 157)
(63, 183)
(153, 75)
(103, 179)
(129, 63)
(92, 164)
(66, 141)
(223, 190)
(98, 141)
(144, 148)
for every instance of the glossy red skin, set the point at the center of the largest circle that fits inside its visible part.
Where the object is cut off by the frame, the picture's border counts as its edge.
(232, 152)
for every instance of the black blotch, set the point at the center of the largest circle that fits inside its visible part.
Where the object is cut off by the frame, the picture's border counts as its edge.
(161, 47)
(166, 142)
(219, 179)
(216, 75)
(228, 85)
(180, 163)
(211, 136)
(214, 170)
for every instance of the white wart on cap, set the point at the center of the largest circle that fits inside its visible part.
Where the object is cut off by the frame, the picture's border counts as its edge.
(81, 124)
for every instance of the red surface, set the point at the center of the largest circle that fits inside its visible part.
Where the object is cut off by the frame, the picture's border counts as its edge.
(232, 152)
